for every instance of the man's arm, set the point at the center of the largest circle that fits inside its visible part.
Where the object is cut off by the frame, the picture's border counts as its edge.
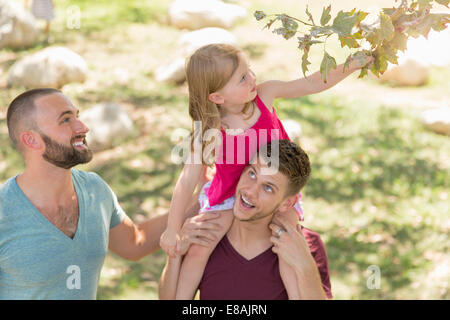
(133, 242)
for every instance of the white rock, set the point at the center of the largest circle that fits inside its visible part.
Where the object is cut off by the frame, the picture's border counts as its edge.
(191, 41)
(51, 67)
(437, 120)
(196, 14)
(293, 129)
(407, 73)
(18, 28)
(174, 71)
(108, 124)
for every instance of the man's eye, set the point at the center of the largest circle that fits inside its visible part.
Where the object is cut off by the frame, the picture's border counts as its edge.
(65, 120)
(252, 174)
(268, 188)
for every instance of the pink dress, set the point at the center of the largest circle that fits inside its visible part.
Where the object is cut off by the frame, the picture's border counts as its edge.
(236, 153)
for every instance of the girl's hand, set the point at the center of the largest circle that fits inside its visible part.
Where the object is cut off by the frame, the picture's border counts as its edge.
(168, 242)
(199, 230)
(361, 60)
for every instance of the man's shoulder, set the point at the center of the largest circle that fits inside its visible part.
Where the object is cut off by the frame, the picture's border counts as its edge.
(5, 188)
(88, 178)
(8, 194)
(313, 239)
(91, 183)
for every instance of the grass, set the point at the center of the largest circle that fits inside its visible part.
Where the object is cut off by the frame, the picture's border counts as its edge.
(380, 182)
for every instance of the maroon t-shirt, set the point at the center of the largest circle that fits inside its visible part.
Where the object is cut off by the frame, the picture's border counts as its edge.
(230, 276)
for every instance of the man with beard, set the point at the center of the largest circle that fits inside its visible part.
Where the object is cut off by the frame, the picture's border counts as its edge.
(57, 223)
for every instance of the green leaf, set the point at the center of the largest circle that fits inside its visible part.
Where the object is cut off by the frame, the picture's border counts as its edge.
(344, 23)
(363, 73)
(349, 42)
(443, 2)
(389, 53)
(289, 23)
(259, 15)
(386, 31)
(309, 15)
(328, 63)
(424, 3)
(320, 31)
(399, 41)
(389, 11)
(305, 62)
(347, 62)
(325, 15)
(380, 64)
(433, 21)
(269, 24)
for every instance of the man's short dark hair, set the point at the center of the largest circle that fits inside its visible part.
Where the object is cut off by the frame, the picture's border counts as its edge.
(294, 163)
(20, 110)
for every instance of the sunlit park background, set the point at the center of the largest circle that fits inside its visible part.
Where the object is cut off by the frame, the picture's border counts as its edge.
(379, 193)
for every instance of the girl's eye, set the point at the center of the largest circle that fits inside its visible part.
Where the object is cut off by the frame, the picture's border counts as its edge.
(65, 120)
(243, 79)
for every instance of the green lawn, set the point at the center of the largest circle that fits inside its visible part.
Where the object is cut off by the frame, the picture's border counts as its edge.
(380, 183)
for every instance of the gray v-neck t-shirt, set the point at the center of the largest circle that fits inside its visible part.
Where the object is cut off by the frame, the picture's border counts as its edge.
(37, 260)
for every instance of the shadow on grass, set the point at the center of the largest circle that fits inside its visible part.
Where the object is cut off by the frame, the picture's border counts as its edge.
(133, 185)
(397, 260)
(382, 158)
(378, 154)
(144, 274)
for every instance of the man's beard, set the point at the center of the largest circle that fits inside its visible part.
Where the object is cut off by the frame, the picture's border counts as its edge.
(63, 156)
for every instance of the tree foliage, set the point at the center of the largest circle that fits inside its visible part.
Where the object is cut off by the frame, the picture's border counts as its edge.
(380, 35)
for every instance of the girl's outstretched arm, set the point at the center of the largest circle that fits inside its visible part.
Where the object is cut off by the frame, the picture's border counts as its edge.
(270, 90)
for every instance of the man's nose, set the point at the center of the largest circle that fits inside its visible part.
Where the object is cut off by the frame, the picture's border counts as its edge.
(81, 128)
(251, 191)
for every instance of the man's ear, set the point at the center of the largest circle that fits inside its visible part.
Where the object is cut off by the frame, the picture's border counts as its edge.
(30, 140)
(216, 98)
(288, 203)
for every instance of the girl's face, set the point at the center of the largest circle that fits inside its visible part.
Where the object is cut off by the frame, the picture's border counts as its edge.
(240, 89)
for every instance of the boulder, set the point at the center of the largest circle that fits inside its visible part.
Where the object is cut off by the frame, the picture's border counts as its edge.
(437, 120)
(51, 67)
(406, 73)
(108, 124)
(174, 71)
(18, 27)
(197, 14)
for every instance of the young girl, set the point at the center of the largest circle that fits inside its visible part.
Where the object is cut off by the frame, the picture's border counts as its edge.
(223, 95)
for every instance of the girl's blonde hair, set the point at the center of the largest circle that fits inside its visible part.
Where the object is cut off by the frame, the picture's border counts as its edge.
(208, 70)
